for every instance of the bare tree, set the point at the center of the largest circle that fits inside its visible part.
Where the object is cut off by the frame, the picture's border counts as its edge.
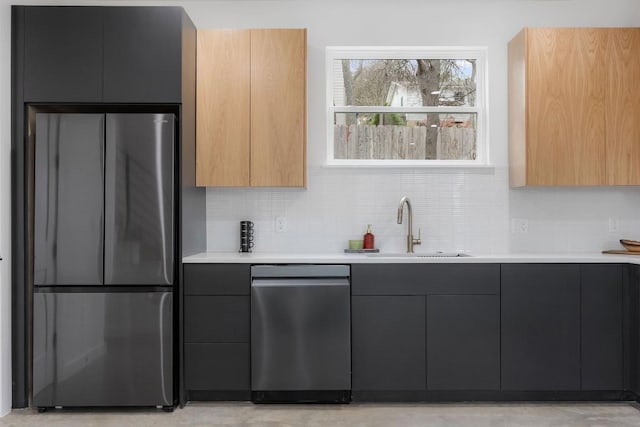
(428, 79)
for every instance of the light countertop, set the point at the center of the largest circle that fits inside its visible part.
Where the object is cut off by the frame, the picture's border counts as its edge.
(342, 258)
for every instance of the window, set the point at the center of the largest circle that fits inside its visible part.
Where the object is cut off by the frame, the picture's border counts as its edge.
(406, 106)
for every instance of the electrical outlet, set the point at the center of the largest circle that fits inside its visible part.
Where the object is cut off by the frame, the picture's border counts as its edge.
(281, 224)
(519, 226)
(613, 225)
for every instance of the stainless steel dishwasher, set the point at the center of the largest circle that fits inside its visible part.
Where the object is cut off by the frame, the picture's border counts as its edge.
(300, 333)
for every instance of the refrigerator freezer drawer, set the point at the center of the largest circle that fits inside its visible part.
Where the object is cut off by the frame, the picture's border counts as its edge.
(102, 349)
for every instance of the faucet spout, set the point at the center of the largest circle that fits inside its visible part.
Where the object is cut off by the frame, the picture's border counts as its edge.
(405, 201)
(410, 240)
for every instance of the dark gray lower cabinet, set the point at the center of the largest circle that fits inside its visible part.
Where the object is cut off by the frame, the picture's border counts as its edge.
(463, 342)
(217, 362)
(534, 330)
(217, 367)
(217, 318)
(540, 327)
(388, 343)
(632, 328)
(602, 347)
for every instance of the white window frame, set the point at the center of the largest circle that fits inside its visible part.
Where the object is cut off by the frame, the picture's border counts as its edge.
(408, 52)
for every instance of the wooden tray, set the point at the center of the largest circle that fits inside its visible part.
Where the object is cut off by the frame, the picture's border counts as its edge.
(371, 251)
(620, 252)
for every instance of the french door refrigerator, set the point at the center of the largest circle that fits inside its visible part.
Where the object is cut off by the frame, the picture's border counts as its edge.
(103, 260)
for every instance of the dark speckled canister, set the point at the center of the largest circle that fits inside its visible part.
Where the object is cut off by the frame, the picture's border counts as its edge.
(246, 236)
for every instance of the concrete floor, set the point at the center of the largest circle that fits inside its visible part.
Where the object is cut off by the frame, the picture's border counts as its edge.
(354, 415)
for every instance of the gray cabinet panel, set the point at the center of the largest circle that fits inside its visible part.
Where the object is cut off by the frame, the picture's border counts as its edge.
(463, 342)
(602, 358)
(540, 327)
(388, 343)
(216, 318)
(424, 279)
(69, 191)
(142, 54)
(63, 54)
(217, 279)
(219, 366)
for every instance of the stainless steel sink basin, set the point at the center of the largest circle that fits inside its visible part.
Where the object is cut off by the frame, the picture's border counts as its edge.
(435, 254)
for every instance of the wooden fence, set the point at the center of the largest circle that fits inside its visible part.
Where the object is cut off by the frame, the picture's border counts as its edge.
(403, 142)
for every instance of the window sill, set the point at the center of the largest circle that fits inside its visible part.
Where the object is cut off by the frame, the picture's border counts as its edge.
(409, 164)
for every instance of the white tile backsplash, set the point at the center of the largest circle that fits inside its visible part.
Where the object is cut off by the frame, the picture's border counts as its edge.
(462, 210)
(339, 204)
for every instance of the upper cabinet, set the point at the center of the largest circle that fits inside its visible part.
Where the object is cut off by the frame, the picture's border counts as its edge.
(251, 108)
(63, 54)
(142, 54)
(573, 107)
(622, 103)
(104, 54)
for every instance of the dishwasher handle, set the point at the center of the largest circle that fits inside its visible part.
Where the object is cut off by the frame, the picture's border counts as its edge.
(299, 283)
(300, 271)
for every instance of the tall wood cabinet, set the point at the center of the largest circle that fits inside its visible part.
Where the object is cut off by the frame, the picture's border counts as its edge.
(573, 104)
(251, 108)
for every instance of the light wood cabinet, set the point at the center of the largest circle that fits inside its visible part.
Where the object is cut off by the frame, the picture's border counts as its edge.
(572, 100)
(623, 107)
(251, 108)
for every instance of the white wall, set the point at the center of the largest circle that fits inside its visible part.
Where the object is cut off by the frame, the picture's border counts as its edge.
(462, 210)
(5, 213)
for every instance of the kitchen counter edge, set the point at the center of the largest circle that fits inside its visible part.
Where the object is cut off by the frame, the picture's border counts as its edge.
(331, 258)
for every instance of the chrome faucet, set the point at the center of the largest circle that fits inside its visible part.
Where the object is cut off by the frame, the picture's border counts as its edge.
(410, 240)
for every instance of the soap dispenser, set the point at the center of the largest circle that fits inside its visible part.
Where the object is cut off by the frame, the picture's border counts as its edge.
(368, 240)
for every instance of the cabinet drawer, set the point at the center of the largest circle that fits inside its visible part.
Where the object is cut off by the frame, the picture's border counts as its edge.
(425, 279)
(217, 366)
(217, 279)
(223, 319)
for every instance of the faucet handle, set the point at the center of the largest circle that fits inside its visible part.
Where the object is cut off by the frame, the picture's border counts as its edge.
(418, 240)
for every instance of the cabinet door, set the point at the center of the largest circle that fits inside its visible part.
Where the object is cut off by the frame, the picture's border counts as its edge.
(540, 327)
(63, 54)
(142, 54)
(623, 106)
(217, 366)
(388, 343)
(223, 319)
(566, 83)
(602, 358)
(278, 108)
(223, 108)
(463, 342)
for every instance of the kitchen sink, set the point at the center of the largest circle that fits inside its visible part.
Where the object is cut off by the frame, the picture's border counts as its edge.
(435, 254)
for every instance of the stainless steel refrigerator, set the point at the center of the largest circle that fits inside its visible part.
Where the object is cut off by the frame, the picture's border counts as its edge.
(104, 261)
